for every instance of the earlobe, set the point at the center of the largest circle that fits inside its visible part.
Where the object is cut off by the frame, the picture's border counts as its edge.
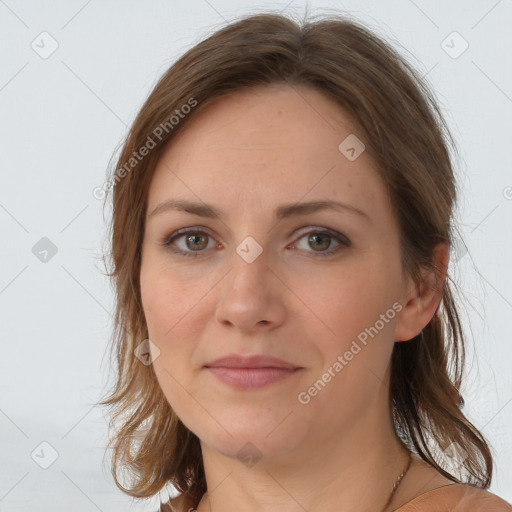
(422, 300)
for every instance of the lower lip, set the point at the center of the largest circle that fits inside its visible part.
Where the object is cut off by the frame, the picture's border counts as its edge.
(251, 378)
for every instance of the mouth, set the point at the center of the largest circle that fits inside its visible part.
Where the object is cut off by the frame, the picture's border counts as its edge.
(253, 371)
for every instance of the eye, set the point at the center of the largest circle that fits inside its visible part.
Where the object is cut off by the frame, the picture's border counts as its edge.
(192, 242)
(322, 238)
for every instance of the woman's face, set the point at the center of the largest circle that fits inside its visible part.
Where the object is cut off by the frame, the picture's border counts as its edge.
(319, 288)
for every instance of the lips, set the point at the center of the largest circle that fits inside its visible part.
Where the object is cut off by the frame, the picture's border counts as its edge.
(251, 372)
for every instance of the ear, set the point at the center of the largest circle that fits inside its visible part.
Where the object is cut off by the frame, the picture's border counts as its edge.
(421, 302)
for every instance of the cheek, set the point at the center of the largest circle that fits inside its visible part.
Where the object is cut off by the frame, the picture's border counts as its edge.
(348, 299)
(175, 321)
(175, 311)
(167, 296)
(355, 305)
(163, 308)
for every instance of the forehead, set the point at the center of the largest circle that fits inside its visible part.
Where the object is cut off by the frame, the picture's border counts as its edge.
(264, 146)
(268, 118)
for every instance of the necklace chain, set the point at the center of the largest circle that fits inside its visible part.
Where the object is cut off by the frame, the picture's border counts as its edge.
(398, 482)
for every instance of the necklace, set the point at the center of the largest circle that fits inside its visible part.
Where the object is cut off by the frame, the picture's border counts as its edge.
(397, 482)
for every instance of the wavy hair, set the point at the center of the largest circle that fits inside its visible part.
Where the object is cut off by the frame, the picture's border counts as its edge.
(403, 129)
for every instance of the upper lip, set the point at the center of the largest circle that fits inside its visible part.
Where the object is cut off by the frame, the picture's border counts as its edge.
(255, 361)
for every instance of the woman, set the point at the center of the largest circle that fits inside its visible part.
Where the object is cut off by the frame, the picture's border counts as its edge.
(286, 333)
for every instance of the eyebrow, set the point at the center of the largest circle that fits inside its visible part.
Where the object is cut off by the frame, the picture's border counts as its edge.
(283, 211)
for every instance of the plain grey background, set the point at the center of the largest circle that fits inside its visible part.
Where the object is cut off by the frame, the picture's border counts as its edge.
(73, 75)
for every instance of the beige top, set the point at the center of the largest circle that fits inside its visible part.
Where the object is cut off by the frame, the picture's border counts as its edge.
(456, 498)
(447, 498)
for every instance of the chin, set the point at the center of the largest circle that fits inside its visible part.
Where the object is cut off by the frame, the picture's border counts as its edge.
(249, 440)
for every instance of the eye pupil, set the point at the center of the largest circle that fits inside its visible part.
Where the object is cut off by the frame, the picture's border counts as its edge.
(193, 239)
(314, 238)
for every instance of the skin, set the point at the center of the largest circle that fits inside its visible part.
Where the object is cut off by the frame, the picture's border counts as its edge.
(247, 154)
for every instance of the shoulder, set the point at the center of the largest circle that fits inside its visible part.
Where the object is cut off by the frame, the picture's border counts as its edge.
(457, 498)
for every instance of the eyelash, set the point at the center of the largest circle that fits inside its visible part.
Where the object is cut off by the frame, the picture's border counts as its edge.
(168, 241)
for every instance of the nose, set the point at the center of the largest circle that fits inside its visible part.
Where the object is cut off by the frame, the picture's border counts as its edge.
(252, 296)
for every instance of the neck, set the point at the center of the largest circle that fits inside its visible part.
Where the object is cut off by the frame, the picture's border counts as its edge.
(356, 468)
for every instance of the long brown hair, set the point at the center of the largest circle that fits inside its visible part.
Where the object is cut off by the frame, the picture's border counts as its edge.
(403, 129)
